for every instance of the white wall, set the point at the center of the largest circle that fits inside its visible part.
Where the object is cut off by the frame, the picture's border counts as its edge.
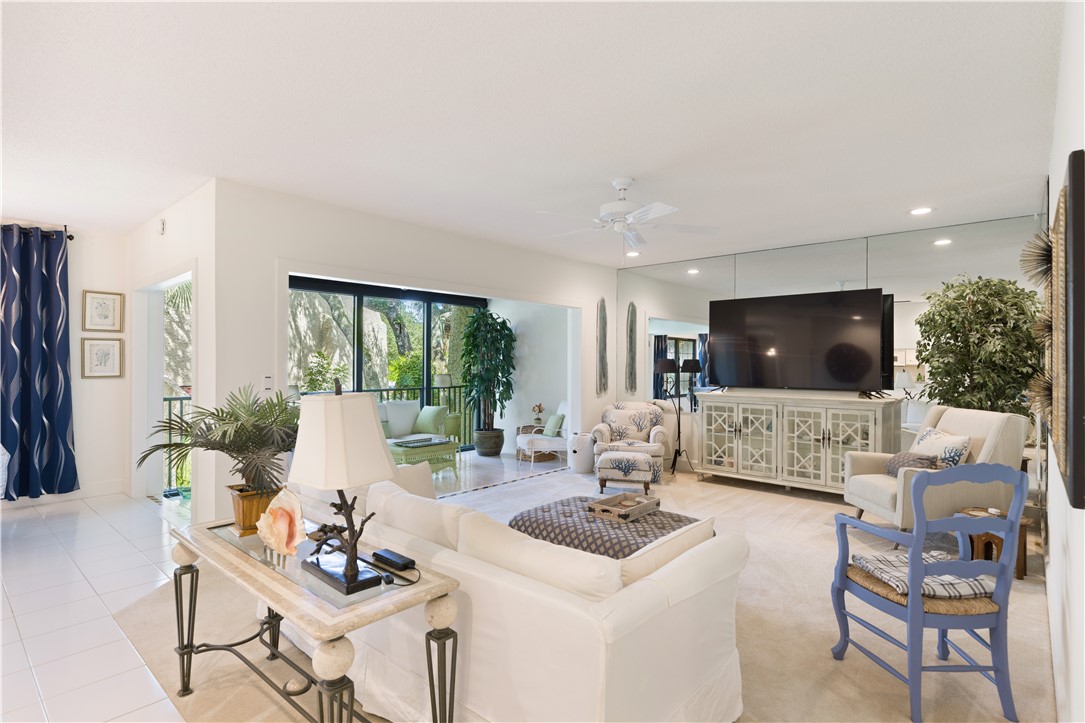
(1066, 565)
(187, 247)
(100, 406)
(655, 299)
(541, 363)
(262, 236)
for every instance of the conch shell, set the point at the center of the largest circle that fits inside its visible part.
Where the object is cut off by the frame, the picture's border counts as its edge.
(281, 527)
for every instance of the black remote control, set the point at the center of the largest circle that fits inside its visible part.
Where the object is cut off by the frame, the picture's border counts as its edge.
(393, 559)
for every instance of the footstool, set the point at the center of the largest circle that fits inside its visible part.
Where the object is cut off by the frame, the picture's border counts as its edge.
(627, 467)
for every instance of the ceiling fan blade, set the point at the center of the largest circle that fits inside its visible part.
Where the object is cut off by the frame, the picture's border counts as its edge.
(652, 210)
(685, 228)
(633, 239)
(569, 233)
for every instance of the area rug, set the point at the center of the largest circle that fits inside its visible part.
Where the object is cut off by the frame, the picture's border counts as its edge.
(784, 617)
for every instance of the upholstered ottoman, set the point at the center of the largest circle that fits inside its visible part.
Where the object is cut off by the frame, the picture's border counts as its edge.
(627, 467)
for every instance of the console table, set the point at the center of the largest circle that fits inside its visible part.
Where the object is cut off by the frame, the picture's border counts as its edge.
(316, 609)
(792, 438)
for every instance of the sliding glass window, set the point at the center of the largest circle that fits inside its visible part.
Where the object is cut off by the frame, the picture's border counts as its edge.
(397, 343)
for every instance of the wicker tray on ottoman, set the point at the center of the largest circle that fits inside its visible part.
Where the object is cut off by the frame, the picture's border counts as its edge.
(624, 507)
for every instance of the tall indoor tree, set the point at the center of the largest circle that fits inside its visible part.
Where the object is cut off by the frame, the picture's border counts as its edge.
(488, 364)
(978, 344)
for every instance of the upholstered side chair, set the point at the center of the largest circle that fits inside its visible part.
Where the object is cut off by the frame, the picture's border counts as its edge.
(994, 437)
(631, 427)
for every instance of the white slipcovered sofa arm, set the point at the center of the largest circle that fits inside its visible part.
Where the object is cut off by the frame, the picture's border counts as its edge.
(657, 435)
(856, 463)
(601, 433)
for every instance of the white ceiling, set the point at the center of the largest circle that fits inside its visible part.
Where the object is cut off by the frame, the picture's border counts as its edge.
(779, 123)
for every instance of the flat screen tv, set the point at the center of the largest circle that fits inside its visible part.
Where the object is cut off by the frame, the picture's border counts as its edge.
(840, 340)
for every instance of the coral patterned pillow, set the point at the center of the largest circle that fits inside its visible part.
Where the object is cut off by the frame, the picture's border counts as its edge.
(949, 449)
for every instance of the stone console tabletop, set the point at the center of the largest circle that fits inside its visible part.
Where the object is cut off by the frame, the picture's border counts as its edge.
(316, 609)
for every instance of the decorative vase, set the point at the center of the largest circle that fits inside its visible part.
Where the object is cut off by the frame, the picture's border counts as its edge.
(488, 443)
(248, 506)
(538, 420)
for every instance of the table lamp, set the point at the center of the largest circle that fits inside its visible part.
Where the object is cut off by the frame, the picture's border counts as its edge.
(904, 381)
(691, 366)
(340, 445)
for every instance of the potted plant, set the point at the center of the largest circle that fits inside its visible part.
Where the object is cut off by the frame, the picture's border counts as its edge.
(251, 431)
(488, 364)
(978, 344)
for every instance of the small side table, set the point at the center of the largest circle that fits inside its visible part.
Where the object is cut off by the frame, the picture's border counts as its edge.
(988, 546)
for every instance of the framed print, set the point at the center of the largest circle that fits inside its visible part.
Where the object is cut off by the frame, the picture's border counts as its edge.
(103, 311)
(103, 358)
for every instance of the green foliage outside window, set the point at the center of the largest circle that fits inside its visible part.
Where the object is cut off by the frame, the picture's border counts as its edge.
(406, 371)
(978, 344)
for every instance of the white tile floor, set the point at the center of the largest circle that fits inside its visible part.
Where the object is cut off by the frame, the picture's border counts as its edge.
(66, 567)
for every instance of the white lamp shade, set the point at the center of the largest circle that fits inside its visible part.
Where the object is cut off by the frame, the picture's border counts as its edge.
(904, 380)
(442, 380)
(340, 443)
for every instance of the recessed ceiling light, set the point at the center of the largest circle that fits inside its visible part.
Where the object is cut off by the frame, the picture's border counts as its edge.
(943, 242)
(857, 318)
(632, 254)
(693, 271)
(771, 351)
(920, 211)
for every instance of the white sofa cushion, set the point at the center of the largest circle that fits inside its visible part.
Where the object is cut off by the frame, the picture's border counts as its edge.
(593, 577)
(429, 519)
(400, 416)
(651, 557)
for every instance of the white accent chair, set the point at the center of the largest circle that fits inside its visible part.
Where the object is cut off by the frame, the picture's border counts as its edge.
(995, 437)
(536, 441)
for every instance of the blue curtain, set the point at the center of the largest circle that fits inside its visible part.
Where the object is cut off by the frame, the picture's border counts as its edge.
(659, 351)
(702, 356)
(36, 397)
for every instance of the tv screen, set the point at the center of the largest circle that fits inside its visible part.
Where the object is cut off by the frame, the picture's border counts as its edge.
(827, 341)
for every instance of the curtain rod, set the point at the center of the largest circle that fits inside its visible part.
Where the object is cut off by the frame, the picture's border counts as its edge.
(50, 234)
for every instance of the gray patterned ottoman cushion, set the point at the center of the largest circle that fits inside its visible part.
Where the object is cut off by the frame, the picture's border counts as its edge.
(567, 522)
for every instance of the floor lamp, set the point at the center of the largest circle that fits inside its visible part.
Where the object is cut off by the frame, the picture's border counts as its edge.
(665, 367)
(691, 367)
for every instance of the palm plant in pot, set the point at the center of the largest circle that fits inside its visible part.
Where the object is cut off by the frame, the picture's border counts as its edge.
(252, 432)
(488, 364)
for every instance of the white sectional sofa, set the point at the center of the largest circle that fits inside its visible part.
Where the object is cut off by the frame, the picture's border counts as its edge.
(548, 633)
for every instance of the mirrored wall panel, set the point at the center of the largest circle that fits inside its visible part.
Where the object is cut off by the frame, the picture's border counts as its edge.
(906, 264)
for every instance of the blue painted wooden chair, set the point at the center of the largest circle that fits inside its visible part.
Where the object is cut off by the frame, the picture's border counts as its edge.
(943, 614)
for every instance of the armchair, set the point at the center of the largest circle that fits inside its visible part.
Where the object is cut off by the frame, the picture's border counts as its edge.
(630, 427)
(994, 437)
(536, 441)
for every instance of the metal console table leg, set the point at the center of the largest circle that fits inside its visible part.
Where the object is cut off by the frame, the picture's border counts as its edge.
(440, 613)
(186, 629)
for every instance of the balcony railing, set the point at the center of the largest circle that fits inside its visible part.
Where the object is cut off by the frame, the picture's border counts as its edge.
(451, 397)
(175, 479)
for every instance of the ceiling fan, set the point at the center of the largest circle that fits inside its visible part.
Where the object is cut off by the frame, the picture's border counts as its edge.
(629, 217)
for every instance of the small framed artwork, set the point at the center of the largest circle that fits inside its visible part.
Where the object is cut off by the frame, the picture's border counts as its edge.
(103, 311)
(103, 358)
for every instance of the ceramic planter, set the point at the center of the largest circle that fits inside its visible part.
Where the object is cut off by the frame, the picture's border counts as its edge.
(248, 506)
